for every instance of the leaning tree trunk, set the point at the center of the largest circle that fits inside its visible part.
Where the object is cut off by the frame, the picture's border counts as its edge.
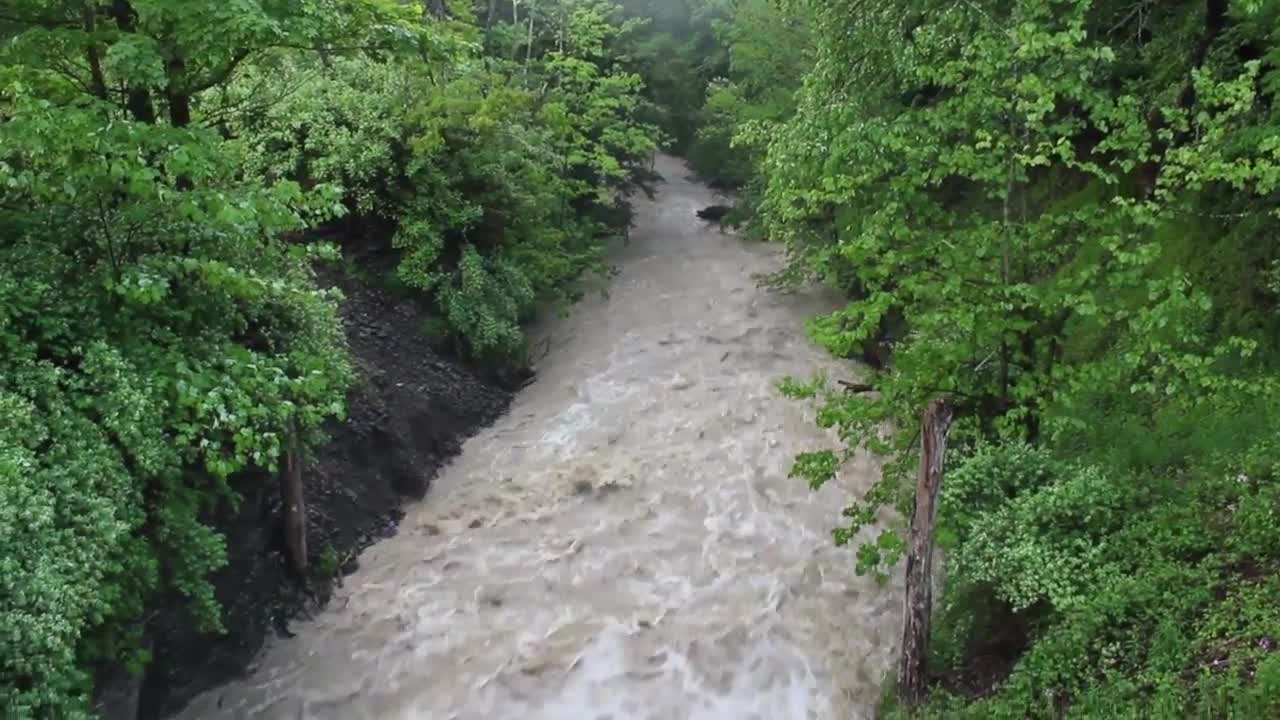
(913, 665)
(294, 507)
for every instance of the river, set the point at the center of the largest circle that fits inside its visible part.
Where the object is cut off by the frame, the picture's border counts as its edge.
(625, 544)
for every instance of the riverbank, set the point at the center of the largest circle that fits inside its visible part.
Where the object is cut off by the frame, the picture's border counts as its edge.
(627, 536)
(408, 413)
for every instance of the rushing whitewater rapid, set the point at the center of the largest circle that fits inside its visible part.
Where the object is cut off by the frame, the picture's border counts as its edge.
(625, 544)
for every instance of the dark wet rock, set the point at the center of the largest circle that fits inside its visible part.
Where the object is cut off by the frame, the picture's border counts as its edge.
(409, 411)
(715, 213)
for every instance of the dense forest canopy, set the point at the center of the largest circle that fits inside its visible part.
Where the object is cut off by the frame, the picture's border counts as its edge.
(163, 164)
(1059, 215)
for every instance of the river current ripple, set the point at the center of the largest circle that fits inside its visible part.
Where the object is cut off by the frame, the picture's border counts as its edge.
(625, 544)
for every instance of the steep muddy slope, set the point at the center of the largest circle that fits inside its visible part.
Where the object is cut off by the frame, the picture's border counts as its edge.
(408, 414)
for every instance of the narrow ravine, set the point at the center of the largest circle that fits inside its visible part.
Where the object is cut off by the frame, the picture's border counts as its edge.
(625, 543)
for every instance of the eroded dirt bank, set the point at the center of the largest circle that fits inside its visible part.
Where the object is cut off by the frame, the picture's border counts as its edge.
(625, 542)
(408, 413)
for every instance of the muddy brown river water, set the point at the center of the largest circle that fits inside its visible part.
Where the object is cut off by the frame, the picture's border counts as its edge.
(625, 544)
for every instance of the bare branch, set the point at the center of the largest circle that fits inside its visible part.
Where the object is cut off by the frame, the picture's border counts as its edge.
(222, 74)
(852, 387)
(47, 23)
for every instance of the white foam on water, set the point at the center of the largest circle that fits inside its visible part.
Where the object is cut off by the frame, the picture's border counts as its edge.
(625, 544)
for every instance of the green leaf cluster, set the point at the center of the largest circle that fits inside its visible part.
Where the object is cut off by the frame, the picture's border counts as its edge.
(500, 176)
(159, 336)
(163, 165)
(1059, 215)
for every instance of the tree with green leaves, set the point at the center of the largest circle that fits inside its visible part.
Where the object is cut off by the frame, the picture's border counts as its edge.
(161, 165)
(678, 54)
(1056, 217)
(768, 46)
(159, 336)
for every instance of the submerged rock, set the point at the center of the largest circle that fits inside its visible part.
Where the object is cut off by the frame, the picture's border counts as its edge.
(715, 213)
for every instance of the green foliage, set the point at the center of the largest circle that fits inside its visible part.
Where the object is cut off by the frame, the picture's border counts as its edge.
(678, 53)
(927, 193)
(68, 552)
(1059, 214)
(1041, 541)
(342, 126)
(540, 165)
(158, 338)
(1145, 591)
(327, 564)
(497, 173)
(161, 328)
(769, 51)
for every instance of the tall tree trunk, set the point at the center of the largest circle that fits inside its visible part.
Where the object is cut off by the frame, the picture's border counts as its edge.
(92, 53)
(1030, 358)
(137, 100)
(528, 48)
(560, 32)
(488, 18)
(178, 98)
(1004, 276)
(294, 508)
(179, 109)
(913, 670)
(515, 25)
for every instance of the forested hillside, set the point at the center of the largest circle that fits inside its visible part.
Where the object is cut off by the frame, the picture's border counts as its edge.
(1061, 217)
(167, 171)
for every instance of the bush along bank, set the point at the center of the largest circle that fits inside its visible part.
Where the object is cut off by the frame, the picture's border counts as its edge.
(166, 338)
(1060, 217)
(409, 408)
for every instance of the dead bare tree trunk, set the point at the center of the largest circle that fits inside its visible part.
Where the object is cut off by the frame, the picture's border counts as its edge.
(528, 47)
(515, 24)
(294, 507)
(913, 666)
